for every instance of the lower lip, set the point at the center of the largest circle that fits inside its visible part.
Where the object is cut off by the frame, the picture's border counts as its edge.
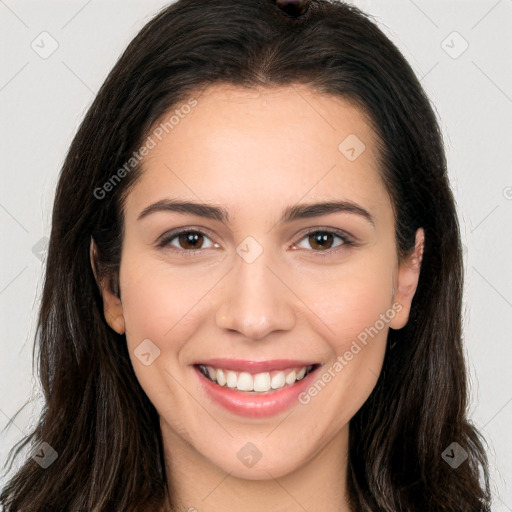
(255, 405)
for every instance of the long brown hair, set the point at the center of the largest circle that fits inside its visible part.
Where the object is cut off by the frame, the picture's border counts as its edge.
(97, 418)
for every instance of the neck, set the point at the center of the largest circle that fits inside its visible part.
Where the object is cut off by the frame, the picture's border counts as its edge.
(200, 486)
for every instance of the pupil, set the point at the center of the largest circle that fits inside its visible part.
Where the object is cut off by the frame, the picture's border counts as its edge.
(321, 238)
(190, 239)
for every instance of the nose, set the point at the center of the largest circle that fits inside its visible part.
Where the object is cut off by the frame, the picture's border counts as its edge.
(256, 300)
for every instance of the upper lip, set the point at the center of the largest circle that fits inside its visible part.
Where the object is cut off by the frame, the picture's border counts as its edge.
(244, 365)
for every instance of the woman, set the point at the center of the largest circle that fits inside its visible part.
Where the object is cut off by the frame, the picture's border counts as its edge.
(197, 352)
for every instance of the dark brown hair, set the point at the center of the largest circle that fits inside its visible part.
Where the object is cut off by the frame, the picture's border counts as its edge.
(96, 415)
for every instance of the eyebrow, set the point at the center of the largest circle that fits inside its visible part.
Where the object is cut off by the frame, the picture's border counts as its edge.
(291, 213)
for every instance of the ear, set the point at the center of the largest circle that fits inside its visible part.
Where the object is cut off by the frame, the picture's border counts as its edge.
(408, 276)
(112, 306)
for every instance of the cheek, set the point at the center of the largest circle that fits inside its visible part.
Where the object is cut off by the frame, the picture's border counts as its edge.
(159, 301)
(350, 298)
(165, 306)
(356, 305)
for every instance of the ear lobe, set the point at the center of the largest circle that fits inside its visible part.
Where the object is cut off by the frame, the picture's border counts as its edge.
(408, 278)
(112, 306)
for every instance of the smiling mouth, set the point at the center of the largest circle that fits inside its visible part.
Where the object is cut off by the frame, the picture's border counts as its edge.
(261, 382)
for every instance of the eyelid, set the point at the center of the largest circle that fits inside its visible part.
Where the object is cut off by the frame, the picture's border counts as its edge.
(344, 235)
(165, 239)
(348, 241)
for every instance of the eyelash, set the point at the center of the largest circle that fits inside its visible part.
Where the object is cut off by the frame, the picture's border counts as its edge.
(165, 240)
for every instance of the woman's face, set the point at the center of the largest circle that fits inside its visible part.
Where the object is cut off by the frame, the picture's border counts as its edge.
(265, 286)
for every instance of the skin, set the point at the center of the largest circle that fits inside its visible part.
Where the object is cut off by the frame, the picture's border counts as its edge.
(254, 152)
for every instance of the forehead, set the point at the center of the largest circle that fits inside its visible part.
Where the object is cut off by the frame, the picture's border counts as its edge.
(268, 145)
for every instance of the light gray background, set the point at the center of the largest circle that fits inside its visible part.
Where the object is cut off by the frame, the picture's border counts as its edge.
(42, 101)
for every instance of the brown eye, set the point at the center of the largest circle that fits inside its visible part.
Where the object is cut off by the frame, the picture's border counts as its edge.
(324, 241)
(190, 240)
(321, 240)
(186, 241)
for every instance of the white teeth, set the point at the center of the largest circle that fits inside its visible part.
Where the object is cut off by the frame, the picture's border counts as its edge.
(301, 374)
(220, 378)
(231, 379)
(259, 382)
(291, 377)
(245, 382)
(262, 382)
(278, 380)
